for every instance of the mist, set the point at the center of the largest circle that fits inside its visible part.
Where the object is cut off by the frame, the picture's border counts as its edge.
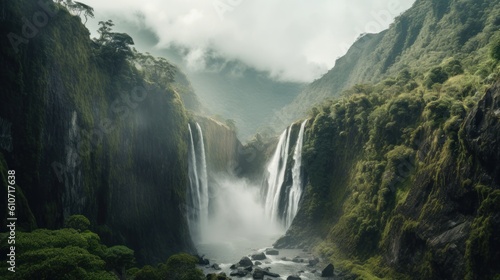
(237, 222)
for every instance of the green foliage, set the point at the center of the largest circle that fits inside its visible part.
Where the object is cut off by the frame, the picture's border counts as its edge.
(112, 48)
(495, 49)
(480, 247)
(183, 267)
(78, 222)
(435, 76)
(57, 254)
(180, 266)
(453, 67)
(69, 262)
(118, 258)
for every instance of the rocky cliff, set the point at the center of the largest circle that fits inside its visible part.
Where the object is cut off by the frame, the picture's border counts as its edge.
(88, 134)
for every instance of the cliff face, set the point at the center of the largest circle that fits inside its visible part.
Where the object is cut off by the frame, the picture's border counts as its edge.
(223, 149)
(404, 182)
(91, 139)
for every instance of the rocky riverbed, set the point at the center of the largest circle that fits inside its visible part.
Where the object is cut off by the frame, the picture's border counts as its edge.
(269, 263)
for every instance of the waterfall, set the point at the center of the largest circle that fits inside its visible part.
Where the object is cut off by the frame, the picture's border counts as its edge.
(276, 175)
(197, 196)
(278, 196)
(295, 191)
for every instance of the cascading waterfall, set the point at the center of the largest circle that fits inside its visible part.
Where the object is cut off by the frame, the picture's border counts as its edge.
(197, 205)
(239, 217)
(276, 176)
(279, 196)
(295, 191)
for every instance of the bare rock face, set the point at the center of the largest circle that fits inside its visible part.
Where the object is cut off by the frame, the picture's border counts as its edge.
(327, 271)
(482, 131)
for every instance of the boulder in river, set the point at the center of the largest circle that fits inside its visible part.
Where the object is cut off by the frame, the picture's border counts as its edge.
(240, 272)
(258, 274)
(328, 271)
(313, 262)
(202, 260)
(258, 256)
(248, 268)
(245, 261)
(293, 277)
(216, 266)
(272, 252)
(272, 274)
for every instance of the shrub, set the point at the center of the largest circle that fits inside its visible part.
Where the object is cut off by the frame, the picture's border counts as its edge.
(436, 76)
(78, 222)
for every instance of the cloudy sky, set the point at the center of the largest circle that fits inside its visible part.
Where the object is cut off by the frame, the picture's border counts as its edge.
(293, 40)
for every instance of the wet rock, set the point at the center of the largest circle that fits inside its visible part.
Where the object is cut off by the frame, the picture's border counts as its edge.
(272, 274)
(259, 256)
(272, 252)
(240, 272)
(313, 262)
(258, 274)
(245, 261)
(248, 268)
(293, 277)
(202, 260)
(257, 263)
(297, 259)
(216, 266)
(233, 266)
(328, 271)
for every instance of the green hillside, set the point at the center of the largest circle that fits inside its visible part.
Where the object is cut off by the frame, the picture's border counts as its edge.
(422, 37)
(402, 168)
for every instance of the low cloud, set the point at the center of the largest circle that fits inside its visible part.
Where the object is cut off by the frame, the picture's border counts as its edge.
(290, 39)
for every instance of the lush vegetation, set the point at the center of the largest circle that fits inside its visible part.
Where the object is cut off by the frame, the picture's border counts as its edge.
(391, 170)
(75, 252)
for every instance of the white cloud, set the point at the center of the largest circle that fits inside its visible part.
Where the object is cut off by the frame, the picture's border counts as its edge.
(291, 39)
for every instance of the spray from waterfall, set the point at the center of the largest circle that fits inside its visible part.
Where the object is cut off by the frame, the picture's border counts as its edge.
(197, 202)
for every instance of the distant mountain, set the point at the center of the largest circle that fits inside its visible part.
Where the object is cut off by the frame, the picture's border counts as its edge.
(423, 36)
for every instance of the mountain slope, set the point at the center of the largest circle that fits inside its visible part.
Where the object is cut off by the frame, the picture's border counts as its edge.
(423, 36)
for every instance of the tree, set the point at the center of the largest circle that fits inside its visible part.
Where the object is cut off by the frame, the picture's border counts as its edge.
(436, 76)
(87, 10)
(78, 8)
(78, 222)
(104, 31)
(112, 48)
(118, 258)
(453, 67)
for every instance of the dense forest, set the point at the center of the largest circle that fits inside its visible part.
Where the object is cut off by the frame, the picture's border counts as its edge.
(399, 169)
